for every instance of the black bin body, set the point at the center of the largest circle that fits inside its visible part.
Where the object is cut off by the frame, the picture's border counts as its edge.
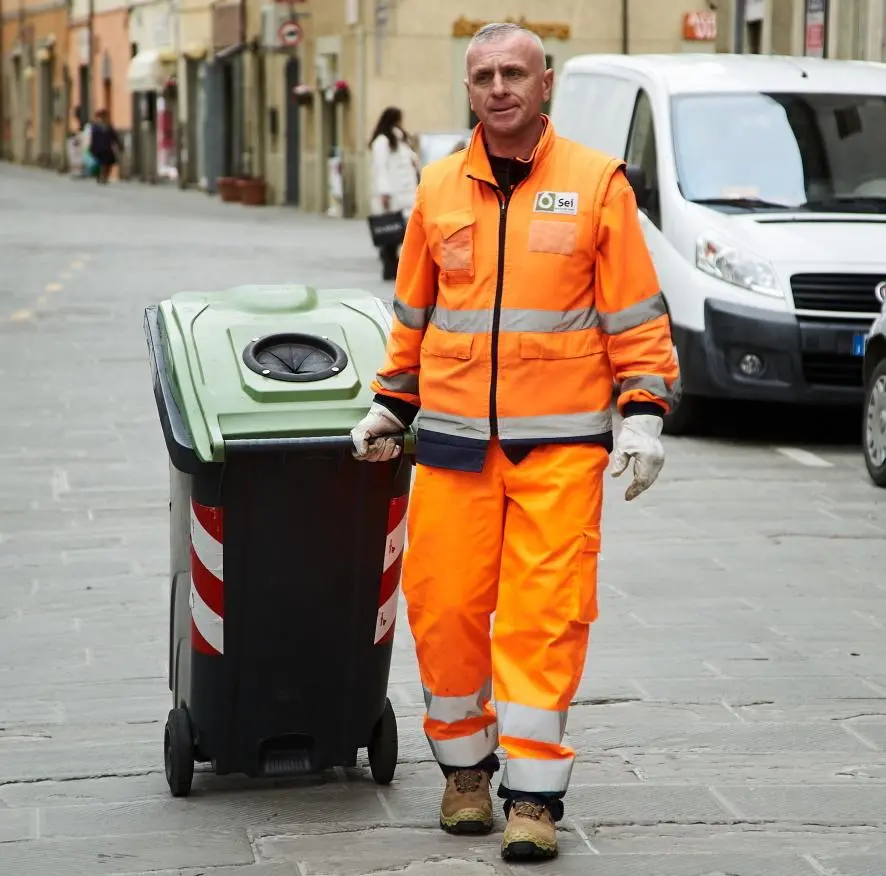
(281, 656)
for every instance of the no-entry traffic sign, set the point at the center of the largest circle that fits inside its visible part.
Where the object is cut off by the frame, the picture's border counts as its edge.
(289, 34)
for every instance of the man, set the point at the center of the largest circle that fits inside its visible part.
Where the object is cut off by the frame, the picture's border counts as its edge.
(524, 289)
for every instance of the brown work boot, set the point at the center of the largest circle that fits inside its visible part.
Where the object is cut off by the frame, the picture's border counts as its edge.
(466, 806)
(530, 834)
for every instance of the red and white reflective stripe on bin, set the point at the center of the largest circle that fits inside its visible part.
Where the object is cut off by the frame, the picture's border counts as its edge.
(389, 593)
(207, 580)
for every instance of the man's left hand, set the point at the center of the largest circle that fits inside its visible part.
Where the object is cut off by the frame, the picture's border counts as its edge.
(639, 440)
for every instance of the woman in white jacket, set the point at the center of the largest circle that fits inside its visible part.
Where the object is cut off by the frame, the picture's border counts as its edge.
(394, 177)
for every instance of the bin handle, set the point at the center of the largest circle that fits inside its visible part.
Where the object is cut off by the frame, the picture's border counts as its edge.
(299, 444)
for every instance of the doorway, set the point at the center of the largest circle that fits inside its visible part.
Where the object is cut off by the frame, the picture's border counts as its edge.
(293, 133)
(191, 147)
(85, 97)
(755, 37)
(45, 108)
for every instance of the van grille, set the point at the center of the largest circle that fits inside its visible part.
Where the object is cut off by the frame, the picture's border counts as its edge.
(832, 369)
(837, 293)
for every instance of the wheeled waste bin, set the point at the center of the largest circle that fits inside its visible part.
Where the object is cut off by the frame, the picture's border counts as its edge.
(285, 550)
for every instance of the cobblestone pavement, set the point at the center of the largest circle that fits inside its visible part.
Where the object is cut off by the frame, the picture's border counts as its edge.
(732, 718)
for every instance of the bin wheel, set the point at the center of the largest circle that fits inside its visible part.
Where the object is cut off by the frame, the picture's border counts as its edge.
(383, 747)
(178, 752)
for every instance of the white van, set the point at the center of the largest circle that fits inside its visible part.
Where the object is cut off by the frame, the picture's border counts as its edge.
(763, 201)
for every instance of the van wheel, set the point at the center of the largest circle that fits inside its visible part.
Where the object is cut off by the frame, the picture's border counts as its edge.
(875, 425)
(686, 413)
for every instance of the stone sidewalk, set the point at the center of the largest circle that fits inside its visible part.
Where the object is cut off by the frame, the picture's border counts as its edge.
(732, 718)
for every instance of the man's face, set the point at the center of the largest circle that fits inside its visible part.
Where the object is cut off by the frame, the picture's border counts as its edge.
(507, 84)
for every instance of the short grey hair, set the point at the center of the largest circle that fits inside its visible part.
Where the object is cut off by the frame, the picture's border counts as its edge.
(500, 30)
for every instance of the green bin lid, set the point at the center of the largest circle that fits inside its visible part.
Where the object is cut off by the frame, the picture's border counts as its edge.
(271, 361)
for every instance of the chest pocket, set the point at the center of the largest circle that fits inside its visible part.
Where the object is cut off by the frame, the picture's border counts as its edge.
(456, 230)
(557, 238)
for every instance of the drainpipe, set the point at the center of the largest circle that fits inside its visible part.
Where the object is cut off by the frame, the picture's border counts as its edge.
(90, 103)
(2, 84)
(360, 174)
(738, 27)
(625, 27)
(181, 88)
(241, 103)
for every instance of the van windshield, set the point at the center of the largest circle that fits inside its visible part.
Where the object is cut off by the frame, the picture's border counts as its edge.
(772, 151)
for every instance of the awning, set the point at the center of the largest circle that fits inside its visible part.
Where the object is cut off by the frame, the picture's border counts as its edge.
(150, 70)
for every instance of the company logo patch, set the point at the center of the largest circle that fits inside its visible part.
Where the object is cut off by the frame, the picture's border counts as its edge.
(565, 203)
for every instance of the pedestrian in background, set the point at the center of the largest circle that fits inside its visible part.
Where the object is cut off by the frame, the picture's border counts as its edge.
(104, 144)
(526, 288)
(395, 174)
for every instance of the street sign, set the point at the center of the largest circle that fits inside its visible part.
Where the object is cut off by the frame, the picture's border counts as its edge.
(289, 34)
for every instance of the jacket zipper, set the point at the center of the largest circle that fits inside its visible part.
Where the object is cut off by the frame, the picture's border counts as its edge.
(503, 201)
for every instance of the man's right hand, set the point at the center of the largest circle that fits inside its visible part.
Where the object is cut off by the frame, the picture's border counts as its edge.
(378, 424)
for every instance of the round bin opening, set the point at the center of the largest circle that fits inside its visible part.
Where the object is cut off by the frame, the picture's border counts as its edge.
(295, 357)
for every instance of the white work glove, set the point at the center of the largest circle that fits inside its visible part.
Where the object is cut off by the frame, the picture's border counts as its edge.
(639, 440)
(378, 423)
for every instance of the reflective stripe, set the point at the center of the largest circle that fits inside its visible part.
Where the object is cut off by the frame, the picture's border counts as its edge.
(527, 722)
(543, 427)
(412, 317)
(652, 384)
(209, 624)
(636, 314)
(466, 750)
(452, 709)
(555, 426)
(454, 425)
(537, 776)
(207, 547)
(405, 382)
(515, 320)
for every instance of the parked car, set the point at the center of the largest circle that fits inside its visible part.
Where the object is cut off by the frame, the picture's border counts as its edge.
(874, 423)
(762, 189)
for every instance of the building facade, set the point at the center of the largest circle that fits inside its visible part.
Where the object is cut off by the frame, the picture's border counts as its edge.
(322, 97)
(847, 29)
(33, 87)
(290, 92)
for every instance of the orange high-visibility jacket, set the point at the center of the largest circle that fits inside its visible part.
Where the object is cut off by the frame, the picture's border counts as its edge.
(513, 314)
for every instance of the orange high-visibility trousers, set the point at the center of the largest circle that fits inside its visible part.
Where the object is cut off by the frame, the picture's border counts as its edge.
(521, 541)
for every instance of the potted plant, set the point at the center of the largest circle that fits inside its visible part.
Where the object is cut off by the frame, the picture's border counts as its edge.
(338, 93)
(304, 94)
(228, 188)
(253, 191)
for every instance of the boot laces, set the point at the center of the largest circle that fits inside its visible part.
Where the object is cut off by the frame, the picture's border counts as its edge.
(525, 809)
(468, 781)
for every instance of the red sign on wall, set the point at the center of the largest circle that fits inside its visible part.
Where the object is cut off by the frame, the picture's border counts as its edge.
(699, 26)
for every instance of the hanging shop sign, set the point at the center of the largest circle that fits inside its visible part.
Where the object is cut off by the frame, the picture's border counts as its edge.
(816, 28)
(699, 26)
(464, 27)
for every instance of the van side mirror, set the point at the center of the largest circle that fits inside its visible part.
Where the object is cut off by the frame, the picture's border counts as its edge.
(637, 178)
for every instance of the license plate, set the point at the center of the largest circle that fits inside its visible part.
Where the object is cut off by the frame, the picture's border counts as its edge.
(858, 342)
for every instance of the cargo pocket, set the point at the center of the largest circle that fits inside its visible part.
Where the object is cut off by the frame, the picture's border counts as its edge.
(447, 345)
(560, 345)
(586, 577)
(456, 246)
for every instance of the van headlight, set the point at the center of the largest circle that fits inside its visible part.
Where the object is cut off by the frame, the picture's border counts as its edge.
(730, 264)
